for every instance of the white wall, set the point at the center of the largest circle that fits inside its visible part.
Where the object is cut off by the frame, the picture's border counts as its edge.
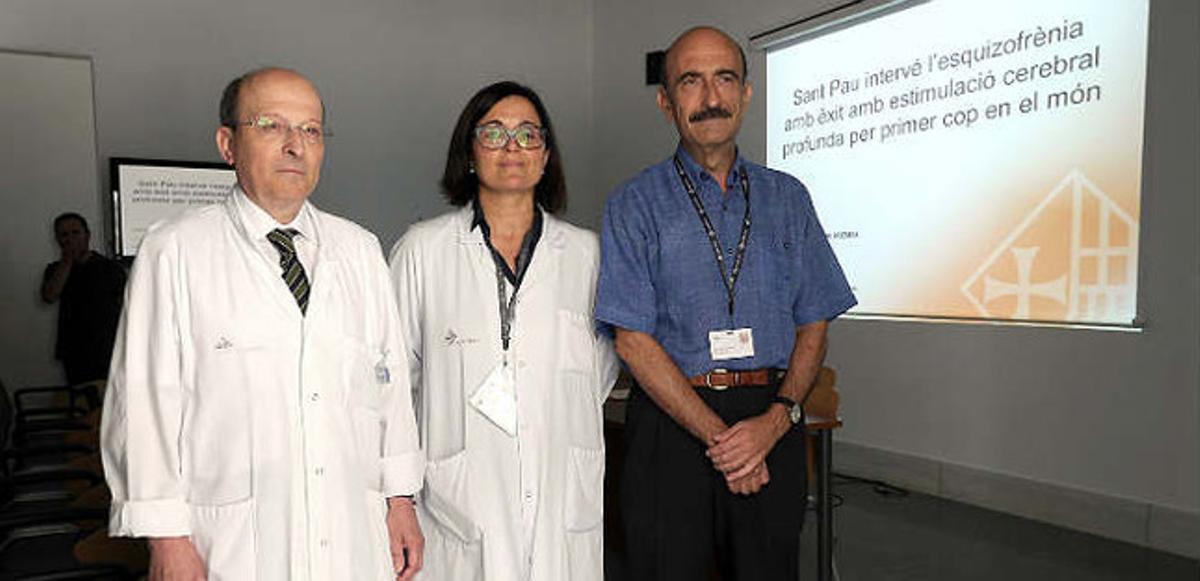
(1105, 412)
(394, 76)
(47, 164)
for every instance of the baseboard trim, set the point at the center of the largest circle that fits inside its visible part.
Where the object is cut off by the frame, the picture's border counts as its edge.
(1141, 523)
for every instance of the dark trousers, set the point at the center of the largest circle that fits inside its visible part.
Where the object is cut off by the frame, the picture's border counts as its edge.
(679, 515)
(84, 368)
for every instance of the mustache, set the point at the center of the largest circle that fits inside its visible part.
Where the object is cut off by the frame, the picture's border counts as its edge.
(710, 113)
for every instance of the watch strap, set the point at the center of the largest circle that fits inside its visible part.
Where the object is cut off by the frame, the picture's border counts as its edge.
(795, 411)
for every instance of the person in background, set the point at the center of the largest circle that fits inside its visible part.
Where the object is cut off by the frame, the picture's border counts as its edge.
(718, 283)
(89, 289)
(496, 300)
(258, 421)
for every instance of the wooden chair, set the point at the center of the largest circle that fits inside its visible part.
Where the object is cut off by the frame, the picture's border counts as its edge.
(821, 406)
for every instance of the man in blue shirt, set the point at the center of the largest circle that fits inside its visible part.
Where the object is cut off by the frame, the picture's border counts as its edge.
(718, 283)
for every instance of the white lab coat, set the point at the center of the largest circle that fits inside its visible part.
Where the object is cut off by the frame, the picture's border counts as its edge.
(497, 507)
(271, 438)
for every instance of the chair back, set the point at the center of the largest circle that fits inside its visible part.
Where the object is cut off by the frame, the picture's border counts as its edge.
(823, 398)
(6, 416)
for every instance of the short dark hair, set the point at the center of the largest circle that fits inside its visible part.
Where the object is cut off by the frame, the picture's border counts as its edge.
(227, 111)
(63, 217)
(664, 82)
(460, 185)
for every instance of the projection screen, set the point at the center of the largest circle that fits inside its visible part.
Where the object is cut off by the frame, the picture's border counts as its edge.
(971, 160)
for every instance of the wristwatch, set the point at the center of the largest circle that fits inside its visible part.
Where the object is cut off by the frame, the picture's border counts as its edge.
(794, 409)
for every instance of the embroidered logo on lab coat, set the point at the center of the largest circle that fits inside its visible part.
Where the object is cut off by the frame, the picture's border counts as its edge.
(451, 338)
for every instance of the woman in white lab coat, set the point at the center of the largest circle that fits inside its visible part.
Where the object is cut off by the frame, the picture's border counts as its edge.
(496, 302)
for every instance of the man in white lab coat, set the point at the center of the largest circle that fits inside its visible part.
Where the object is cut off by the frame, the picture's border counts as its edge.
(258, 422)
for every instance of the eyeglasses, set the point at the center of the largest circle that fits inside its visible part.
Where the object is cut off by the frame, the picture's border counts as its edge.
(277, 129)
(496, 136)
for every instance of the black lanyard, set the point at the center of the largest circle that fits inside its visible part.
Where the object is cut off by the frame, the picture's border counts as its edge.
(731, 279)
(507, 309)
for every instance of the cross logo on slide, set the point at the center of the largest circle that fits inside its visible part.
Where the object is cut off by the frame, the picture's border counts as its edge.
(1023, 289)
(1073, 258)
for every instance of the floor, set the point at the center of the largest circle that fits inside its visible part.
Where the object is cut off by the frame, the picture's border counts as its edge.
(908, 536)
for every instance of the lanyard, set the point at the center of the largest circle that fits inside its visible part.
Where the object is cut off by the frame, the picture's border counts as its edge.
(507, 309)
(731, 279)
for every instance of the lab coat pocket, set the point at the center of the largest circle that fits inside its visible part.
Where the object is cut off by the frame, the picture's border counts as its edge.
(585, 515)
(585, 489)
(582, 412)
(578, 381)
(453, 542)
(576, 342)
(364, 375)
(585, 555)
(224, 537)
(218, 436)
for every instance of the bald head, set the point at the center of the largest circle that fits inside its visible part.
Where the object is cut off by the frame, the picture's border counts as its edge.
(705, 93)
(704, 38)
(230, 112)
(272, 134)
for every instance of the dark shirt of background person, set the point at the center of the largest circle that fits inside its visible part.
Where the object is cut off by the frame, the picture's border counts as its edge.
(89, 289)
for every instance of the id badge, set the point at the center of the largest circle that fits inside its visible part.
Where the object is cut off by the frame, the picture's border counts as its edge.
(496, 399)
(731, 344)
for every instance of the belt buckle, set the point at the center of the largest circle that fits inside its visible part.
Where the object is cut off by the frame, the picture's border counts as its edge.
(708, 380)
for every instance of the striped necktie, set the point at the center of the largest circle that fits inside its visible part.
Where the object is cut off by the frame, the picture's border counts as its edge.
(293, 271)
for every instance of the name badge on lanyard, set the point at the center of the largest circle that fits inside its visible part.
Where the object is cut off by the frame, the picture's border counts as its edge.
(727, 343)
(496, 399)
(731, 344)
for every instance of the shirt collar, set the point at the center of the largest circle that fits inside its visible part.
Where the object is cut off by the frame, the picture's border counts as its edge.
(697, 173)
(478, 221)
(259, 223)
(477, 218)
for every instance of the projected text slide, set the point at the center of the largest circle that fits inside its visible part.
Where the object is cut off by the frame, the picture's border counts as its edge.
(972, 159)
(151, 193)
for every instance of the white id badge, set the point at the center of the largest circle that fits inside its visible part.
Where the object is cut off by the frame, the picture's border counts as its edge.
(496, 399)
(731, 343)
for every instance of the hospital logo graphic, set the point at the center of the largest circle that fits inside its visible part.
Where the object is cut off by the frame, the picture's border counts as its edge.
(1073, 258)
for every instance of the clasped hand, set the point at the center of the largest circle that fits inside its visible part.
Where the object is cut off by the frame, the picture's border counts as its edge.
(740, 453)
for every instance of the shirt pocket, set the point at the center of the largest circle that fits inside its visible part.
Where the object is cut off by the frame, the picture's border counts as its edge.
(778, 283)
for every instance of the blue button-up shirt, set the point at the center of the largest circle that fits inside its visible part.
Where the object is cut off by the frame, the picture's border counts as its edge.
(658, 274)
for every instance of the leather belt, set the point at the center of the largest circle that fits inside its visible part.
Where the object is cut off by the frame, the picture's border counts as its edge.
(719, 379)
